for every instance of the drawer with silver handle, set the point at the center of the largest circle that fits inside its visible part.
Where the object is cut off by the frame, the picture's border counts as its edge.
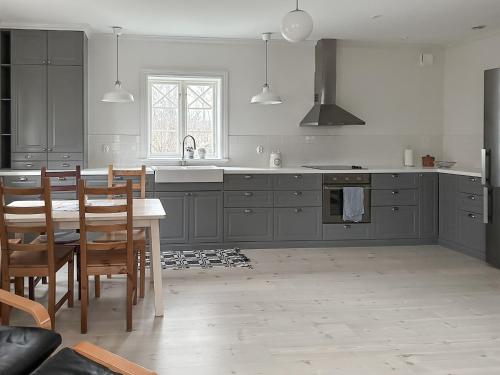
(398, 197)
(248, 182)
(471, 202)
(65, 165)
(470, 184)
(298, 181)
(31, 164)
(255, 198)
(28, 156)
(64, 156)
(21, 181)
(300, 198)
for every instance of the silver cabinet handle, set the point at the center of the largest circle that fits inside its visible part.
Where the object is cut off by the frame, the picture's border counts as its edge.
(347, 226)
(248, 211)
(472, 197)
(395, 175)
(486, 206)
(49, 149)
(44, 149)
(394, 209)
(66, 165)
(297, 176)
(297, 210)
(248, 194)
(22, 179)
(119, 178)
(29, 164)
(188, 194)
(66, 156)
(61, 178)
(394, 192)
(28, 156)
(248, 177)
(484, 166)
(297, 193)
(472, 216)
(44, 61)
(49, 62)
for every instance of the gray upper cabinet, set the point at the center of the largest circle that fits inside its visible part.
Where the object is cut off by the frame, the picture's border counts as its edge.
(206, 217)
(448, 210)
(65, 48)
(174, 227)
(29, 108)
(429, 206)
(65, 117)
(29, 47)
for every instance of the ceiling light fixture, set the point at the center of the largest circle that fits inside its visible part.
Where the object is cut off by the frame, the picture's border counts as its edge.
(266, 96)
(297, 25)
(118, 95)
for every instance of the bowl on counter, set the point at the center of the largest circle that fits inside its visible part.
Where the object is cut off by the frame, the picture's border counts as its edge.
(445, 164)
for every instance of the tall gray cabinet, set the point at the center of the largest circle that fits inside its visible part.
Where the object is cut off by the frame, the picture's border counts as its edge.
(48, 99)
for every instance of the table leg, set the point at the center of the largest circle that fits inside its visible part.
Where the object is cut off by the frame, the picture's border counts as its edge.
(156, 267)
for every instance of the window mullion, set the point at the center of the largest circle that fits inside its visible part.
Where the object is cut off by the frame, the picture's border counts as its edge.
(182, 115)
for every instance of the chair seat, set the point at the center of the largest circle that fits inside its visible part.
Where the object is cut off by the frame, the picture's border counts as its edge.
(67, 361)
(107, 258)
(38, 259)
(23, 349)
(139, 236)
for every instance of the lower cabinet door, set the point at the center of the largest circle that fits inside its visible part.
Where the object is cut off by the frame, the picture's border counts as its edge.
(248, 224)
(297, 224)
(395, 222)
(205, 219)
(471, 231)
(174, 227)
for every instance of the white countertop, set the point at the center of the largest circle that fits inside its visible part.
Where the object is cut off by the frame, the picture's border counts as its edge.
(292, 170)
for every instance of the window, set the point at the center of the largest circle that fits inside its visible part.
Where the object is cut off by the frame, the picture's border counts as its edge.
(179, 105)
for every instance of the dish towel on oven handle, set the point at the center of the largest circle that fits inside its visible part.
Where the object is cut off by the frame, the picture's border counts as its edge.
(354, 204)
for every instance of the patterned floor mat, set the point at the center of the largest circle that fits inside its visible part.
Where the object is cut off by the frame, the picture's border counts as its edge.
(182, 259)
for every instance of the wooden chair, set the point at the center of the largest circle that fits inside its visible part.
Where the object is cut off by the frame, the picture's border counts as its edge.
(62, 238)
(116, 178)
(117, 256)
(36, 258)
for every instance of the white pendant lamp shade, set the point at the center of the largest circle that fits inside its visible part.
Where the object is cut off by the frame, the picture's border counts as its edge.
(297, 25)
(266, 96)
(118, 94)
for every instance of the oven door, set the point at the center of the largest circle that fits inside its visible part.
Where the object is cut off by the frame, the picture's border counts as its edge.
(333, 204)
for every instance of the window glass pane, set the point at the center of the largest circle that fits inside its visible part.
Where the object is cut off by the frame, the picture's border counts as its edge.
(200, 115)
(164, 118)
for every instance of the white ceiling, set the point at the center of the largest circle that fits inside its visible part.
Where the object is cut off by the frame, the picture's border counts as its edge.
(429, 21)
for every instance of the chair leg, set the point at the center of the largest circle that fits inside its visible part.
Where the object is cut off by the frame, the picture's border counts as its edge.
(19, 286)
(142, 267)
(52, 299)
(97, 286)
(130, 291)
(84, 282)
(134, 301)
(31, 288)
(71, 281)
(78, 273)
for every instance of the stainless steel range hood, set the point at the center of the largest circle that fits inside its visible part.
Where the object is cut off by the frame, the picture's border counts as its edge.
(325, 112)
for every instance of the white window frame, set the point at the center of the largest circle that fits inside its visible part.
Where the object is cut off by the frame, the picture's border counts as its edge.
(221, 132)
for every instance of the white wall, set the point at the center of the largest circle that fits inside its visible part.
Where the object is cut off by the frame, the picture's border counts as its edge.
(382, 84)
(463, 98)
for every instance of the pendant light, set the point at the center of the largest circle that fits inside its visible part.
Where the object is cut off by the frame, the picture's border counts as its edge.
(266, 96)
(297, 25)
(118, 95)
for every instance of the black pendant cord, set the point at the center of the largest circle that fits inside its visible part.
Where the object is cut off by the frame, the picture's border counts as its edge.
(117, 79)
(267, 42)
(297, 5)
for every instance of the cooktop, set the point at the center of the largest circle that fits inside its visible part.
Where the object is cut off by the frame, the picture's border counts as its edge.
(333, 167)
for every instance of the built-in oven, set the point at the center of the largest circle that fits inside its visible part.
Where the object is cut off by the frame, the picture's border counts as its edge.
(333, 195)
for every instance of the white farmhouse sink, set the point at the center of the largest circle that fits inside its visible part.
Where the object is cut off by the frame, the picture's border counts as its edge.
(189, 173)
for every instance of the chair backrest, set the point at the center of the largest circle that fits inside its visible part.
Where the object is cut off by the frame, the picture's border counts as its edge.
(10, 212)
(92, 212)
(116, 176)
(63, 176)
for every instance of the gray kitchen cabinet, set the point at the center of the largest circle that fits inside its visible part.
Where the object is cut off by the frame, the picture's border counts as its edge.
(65, 47)
(470, 184)
(448, 186)
(29, 108)
(396, 222)
(472, 232)
(395, 197)
(256, 198)
(395, 180)
(205, 217)
(308, 181)
(29, 47)
(429, 205)
(297, 224)
(248, 182)
(65, 117)
(248, 224)
(360, 231)
(174, 228)
(470, 202)
(298, 198)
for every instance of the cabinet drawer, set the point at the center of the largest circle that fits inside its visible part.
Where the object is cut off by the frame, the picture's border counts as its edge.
(347, 231)
(248, 182)
(395, 197)
(471, 230)
(248, 224)
(298, 181)
(471, 185)
(297, 224)
(65, 156)
(21, 181)
(395, 222)
(297, 198)
(65, 165)
(395, 180)
(256, 198)
(32, 164)
(470, 202)
(28, 156)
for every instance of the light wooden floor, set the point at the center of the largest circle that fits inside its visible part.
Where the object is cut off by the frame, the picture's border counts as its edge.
(342, 311)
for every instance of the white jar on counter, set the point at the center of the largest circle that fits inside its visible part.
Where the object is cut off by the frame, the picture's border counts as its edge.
(275, 159)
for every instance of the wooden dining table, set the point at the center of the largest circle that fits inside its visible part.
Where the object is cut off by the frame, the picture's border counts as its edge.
(147, 214)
